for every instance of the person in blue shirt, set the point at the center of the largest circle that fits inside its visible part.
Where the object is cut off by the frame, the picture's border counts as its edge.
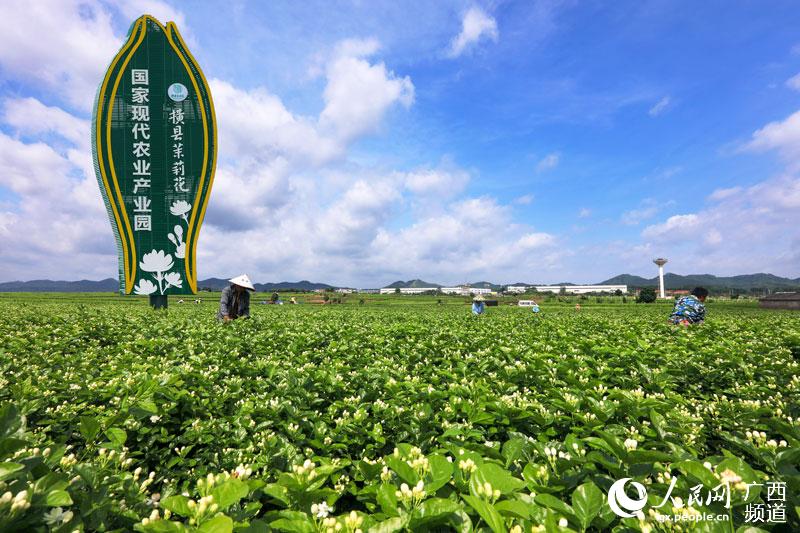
(535, 307)
(478, 307)
(690, 309)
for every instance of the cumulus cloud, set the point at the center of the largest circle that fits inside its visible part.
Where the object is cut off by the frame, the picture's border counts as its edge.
(659, 107)
(58, 218)
(358, 93)
(782, 136)
(585, 212)
(475, 26)
(794, 82)
(743, 229)
(65, 46)
(647, 209)
(674, 228)
(548, 162)
(288, 200)
(441, 182)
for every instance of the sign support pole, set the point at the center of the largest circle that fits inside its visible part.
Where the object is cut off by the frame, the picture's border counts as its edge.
(159, 301)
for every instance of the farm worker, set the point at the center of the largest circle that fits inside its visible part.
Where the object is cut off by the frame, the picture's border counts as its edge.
(535, 306)
(690, 309)
(235, 300)
(577, 307)
(477, 305)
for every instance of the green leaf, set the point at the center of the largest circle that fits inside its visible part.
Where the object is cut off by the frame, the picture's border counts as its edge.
(699, 472)
(441, 471)
(460, 522)
(177, 504)
(10, 421)
(649, 456)
(255, 526)
(514, 508)
(388, 526)
(433, 510)
(487, 512)
(117, 437)
(513, 449)
(403, 469)
(7, 470)
(218, 524)
(162, 526)
(57, 498)
(500, 479)
(550, 501)
(386, 499)
(587, 500)
(293, 525)
(279, 492)
(89, 428)
(229, 492)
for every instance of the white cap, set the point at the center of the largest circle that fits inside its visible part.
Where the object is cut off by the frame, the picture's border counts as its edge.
(243, 281)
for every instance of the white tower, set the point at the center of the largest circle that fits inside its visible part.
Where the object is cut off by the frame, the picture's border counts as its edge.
(660, 262)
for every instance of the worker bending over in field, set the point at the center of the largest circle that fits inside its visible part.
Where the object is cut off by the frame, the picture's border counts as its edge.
(478, 307)
(690, 309)
(235, 300)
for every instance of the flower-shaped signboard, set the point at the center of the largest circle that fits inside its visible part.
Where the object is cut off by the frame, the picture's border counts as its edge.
(155, 146)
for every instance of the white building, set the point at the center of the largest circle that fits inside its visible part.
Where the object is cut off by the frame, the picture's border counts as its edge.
(465, 291)
(581, 289)
(519, 289)
(345, 291)
(409, 290)
(453, 290)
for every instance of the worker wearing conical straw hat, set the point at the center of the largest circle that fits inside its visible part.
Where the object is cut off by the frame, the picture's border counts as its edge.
(478, 307)
(235, 299)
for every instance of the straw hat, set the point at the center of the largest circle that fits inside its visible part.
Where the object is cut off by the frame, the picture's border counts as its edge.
(243, 281)
(478, 298)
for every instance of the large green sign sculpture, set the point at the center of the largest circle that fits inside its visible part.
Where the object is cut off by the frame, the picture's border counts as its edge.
(155, 144)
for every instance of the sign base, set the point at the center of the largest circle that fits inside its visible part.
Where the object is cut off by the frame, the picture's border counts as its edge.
(159, 301)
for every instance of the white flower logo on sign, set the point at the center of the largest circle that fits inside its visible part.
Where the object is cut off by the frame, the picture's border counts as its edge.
(181, 208)
(159, 264)
(177, 240)
(145, 287)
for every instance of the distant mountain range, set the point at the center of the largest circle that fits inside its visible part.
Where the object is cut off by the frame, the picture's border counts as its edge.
(676, 281)
(46, 285)
(671, 281)
(112, 285)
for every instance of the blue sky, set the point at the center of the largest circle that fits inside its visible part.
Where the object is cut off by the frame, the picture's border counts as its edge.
(364, 142)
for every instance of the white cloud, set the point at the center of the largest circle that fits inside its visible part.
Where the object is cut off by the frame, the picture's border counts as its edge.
(794, 82)
(647, 209)
(548, 162)
(525, 199)
(585, 212)
(675, 227)
(64, 46)
(721, 194)
(782, 136)
(475, 26)
(659, 107)
(358, 94)
(257, 122)
(439, 182)
(532, 241)
(744, 229)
